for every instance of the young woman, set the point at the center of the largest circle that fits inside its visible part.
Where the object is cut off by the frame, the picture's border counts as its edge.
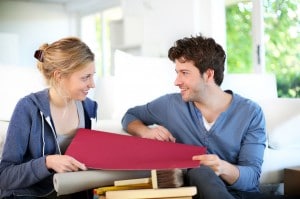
(44, 123)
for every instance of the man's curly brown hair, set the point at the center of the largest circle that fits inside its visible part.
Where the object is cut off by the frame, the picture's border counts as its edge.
(204, 52)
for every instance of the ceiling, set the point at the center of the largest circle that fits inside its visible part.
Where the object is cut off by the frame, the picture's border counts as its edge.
(69, 2)
(80, 5)
(51, 1)
(88, 6)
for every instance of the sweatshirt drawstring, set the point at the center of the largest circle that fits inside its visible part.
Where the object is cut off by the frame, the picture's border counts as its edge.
(43, 133)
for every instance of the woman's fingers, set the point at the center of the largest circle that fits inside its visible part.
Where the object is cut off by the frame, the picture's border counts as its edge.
(64, 163)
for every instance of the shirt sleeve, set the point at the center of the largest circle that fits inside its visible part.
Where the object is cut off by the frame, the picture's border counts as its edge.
(251, 154)
(150, 113)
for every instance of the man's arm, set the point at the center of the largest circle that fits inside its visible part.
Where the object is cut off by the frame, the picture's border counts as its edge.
(230, 173)
(137, 128)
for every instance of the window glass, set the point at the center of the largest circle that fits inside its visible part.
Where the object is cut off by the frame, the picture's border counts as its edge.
(282, 33)
(96, 32)
(239, 41)
(282, 42)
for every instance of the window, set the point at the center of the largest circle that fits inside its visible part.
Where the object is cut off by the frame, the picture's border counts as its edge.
(95, 31)
(281, 37)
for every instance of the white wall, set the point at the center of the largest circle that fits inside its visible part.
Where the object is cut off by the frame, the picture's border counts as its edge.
(32, 24)
(164, 26)
(150, 26)
(9, 49)
(169, 20)
(155, 25)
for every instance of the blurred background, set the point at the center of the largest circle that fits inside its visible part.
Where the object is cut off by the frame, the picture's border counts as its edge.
(259, 36)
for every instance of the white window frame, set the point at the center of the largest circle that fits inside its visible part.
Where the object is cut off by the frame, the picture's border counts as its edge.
(258, 50)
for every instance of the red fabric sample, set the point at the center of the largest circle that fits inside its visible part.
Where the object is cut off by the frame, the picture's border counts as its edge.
(110, 151)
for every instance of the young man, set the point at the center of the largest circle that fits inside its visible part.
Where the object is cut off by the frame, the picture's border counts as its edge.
(230, 126)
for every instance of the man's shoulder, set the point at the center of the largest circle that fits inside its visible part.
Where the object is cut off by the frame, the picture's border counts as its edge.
(172, 96)
(242, 101)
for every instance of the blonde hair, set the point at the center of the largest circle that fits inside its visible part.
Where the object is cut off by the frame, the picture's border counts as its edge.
(67, 55)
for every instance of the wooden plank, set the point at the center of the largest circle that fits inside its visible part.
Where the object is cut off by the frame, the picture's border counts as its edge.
(132, 181)
(103, 190)
(152, 193)
(188, 197)
(154, 179)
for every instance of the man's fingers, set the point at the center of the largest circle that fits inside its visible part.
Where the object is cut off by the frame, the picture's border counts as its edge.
(165, 134)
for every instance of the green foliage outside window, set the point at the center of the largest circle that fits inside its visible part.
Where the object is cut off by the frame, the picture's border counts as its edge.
(239, 50)
(282, 42)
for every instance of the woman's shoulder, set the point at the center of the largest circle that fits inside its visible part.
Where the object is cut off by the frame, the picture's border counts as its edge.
(90, 106)
(90, 102)
(32, 96)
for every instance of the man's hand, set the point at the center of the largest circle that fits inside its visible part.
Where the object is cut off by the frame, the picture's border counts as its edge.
(155, 132)
(158, 132)
(63, 163)
(228, 172)
(211, 160)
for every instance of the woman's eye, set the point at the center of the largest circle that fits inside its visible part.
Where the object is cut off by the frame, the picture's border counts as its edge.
(85, 78)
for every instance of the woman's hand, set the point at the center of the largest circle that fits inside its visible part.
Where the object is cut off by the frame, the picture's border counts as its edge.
(63, 163)
(158, 132)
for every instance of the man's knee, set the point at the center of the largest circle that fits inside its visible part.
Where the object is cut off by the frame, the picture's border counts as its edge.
(200, 175)
(202, 171)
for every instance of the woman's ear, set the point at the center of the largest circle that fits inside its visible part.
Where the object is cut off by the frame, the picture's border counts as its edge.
(57, 75)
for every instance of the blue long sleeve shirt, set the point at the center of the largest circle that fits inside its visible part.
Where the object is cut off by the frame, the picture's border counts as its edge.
(237, 136)
(30, 138)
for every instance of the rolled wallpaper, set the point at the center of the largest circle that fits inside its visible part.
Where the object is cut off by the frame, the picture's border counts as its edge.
(72, 182)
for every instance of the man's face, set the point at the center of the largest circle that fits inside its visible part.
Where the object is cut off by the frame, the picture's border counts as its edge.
(189, 80)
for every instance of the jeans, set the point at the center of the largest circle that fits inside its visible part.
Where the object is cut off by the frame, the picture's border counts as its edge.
(211, 186)
(80, 195)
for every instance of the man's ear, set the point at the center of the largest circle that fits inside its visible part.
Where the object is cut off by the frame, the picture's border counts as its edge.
(209, 75)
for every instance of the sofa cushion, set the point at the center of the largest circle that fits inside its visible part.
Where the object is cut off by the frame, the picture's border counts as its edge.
(136, 80)
(286, 134)
(254, 86)
(112, 126)
(3, 129)
(282, 122)
(17, 82)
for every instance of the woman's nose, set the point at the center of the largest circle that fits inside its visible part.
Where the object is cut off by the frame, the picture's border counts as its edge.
(92, 83)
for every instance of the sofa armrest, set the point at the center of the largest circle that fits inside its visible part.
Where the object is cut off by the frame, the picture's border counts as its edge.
(3, 130)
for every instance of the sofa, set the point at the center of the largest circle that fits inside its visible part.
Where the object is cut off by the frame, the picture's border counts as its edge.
(137, 80)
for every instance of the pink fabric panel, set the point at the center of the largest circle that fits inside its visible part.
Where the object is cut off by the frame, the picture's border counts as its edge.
(110, 151)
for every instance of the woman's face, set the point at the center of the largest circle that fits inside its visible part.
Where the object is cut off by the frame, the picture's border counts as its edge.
(78, 84)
